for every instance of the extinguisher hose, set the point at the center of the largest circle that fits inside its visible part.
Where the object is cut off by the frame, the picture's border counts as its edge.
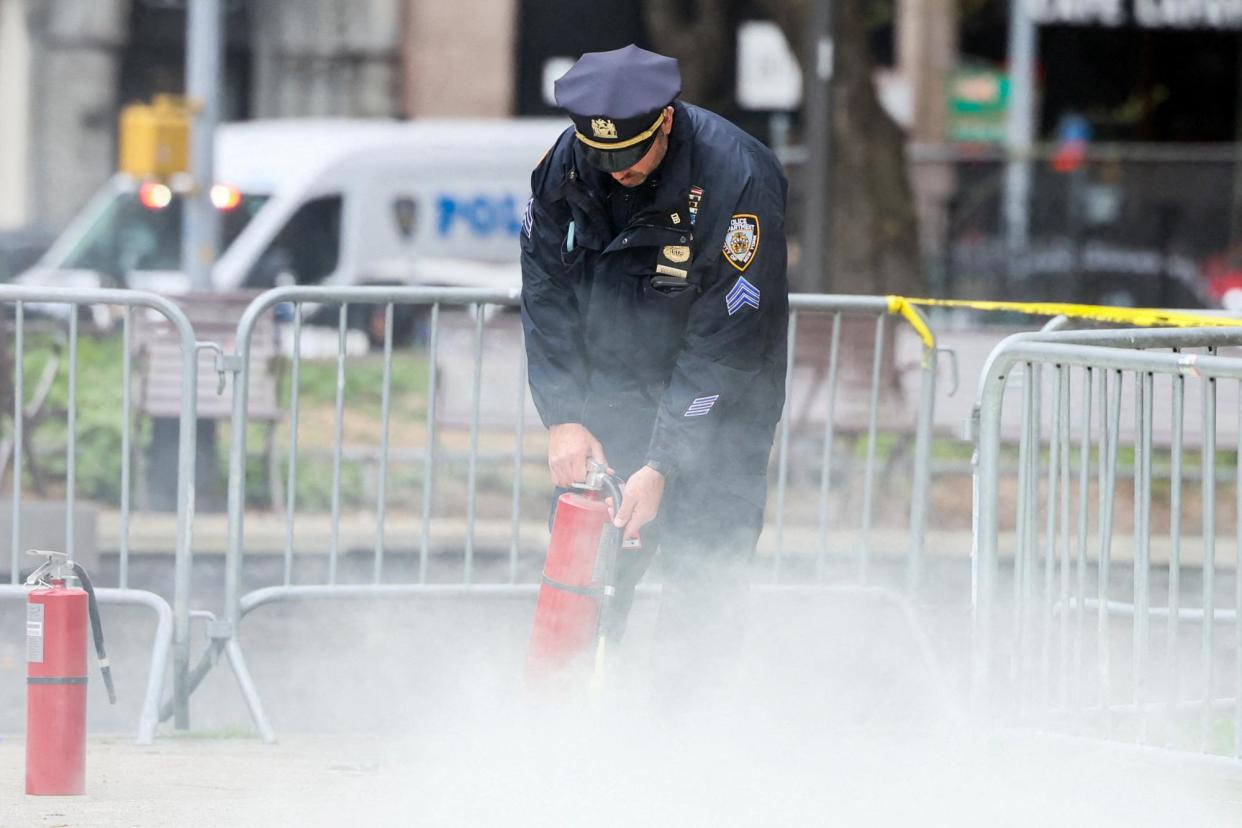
(611, 550)
(96, 630)
(612, 545)
(613, 487)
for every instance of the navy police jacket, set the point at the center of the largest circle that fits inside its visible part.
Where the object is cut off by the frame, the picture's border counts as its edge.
(665, 337)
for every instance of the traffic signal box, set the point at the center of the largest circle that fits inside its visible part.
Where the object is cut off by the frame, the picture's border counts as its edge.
(155, 138)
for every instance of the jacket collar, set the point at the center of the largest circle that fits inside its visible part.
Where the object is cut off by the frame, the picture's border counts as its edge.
(674, 170)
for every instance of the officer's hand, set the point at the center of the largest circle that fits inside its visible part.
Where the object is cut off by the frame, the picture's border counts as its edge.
(569, 447)
(643, 493)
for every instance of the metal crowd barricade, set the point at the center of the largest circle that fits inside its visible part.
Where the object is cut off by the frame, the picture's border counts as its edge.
(69, 305)
(1070, 642)
(883, 392)
(811, 414)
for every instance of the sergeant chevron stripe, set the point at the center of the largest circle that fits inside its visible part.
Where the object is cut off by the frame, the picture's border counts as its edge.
(743, 293)
(701, 405)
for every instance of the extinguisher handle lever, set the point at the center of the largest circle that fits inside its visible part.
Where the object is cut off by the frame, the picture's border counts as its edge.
(37, 576)
(56, 565)
(598, 480)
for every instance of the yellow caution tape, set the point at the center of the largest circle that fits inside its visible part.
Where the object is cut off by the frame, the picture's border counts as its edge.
(905, 307)
(1136, 317)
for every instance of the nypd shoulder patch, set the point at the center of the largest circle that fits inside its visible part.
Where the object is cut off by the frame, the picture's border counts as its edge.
(742, 240)
(742, 294)
(528, 218)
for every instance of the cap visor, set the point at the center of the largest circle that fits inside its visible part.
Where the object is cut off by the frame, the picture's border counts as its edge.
(611, 161)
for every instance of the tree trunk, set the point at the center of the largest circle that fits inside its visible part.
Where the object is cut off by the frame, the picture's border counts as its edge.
(701, 36)
(872, 227)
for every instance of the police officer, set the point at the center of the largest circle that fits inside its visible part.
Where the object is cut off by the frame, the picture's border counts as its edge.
(655, 302)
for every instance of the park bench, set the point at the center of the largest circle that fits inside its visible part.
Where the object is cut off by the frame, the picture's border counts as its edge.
(156, 347)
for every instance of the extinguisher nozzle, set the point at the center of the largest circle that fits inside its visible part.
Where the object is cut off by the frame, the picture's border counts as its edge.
(107, 677)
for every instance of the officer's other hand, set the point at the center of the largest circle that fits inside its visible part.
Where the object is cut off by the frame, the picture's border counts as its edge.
(643, 493)
(570, 445)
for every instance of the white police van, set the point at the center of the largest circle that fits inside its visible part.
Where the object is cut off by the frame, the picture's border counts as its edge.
(323, 202)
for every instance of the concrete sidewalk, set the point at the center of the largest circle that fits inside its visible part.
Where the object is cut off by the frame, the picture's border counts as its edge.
(860, 779)
(203, 782)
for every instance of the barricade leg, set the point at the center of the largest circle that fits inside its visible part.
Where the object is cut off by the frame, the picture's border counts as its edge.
(245, 683)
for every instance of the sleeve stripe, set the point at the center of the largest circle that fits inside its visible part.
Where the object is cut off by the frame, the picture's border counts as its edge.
(701, 405)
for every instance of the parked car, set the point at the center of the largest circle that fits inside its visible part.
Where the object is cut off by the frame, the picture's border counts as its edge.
(1092, 272)
(19, 249)
(1222, 276)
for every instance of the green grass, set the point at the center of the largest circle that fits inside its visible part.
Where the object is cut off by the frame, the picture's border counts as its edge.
(99, 393)
(317, 389)
(99, 428)
(943, 448)
(99, 424)
(364, 378)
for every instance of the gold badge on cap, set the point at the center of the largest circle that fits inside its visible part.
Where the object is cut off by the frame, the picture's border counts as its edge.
(677, 253)
(603, 128)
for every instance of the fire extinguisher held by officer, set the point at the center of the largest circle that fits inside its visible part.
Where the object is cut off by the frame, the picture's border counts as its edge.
(654, 304)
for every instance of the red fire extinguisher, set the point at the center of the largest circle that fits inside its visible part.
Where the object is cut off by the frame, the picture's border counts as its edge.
(56, 617)
(578, 576)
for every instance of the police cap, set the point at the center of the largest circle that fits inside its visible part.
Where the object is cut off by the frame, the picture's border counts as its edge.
(616, 100)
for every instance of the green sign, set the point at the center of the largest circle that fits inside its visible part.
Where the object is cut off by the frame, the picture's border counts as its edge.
(978, 99)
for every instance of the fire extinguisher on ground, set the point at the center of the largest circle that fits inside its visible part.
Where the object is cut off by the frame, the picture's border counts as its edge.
(56, 618)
